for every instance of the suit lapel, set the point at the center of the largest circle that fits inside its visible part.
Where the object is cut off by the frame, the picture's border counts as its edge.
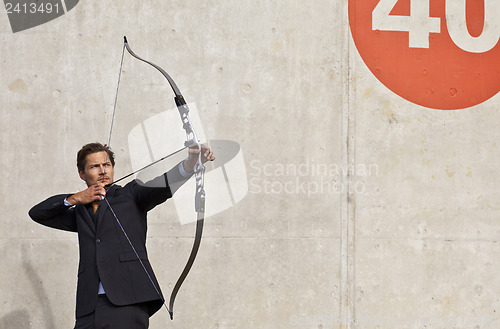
(103, 207)
(84, 214)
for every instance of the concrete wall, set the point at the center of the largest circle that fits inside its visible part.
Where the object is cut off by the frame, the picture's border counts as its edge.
(361, 205)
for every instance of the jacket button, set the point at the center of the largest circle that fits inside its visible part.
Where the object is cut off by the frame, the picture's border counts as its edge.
(98, 240)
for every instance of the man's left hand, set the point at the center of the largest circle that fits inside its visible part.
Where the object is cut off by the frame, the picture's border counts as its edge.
(206, 155)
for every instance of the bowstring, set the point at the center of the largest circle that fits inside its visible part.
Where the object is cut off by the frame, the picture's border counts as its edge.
(107, 202)
(116, 96)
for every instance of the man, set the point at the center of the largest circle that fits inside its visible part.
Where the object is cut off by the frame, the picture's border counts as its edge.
(115, 289)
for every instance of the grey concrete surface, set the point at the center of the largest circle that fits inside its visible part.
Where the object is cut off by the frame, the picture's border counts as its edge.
(363, 210)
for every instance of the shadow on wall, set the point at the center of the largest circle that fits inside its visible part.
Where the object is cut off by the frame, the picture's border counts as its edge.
(21, 318)
(16, 319)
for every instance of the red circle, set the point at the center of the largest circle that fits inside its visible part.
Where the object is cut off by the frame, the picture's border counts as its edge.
(442, 76)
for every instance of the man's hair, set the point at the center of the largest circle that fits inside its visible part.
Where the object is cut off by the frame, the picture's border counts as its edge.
(81, 157)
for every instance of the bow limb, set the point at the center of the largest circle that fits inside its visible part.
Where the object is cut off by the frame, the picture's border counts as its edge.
(162, 71)
(199, 173)
(189, 264)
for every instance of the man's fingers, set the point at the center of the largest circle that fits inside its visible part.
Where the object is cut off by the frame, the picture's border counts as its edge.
(102, 193)
(99, 192)
(209, 155)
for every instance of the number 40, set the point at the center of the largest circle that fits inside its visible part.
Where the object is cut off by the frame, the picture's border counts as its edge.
(419, 24)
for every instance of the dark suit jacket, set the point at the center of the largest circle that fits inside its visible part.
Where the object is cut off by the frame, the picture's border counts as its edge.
(105, 253)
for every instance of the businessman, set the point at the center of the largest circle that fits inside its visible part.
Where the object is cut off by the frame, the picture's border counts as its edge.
(116, 288)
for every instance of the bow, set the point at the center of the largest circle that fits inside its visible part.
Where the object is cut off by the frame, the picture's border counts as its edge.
(199, 172)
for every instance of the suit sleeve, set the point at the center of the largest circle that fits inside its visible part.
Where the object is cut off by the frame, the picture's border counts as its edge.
(149, 195)
(54, 213)
(156, 191)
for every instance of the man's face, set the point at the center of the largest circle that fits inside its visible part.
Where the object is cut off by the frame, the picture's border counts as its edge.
(98, 169)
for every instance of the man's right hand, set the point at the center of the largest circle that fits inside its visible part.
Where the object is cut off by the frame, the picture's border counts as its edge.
(93, 193)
